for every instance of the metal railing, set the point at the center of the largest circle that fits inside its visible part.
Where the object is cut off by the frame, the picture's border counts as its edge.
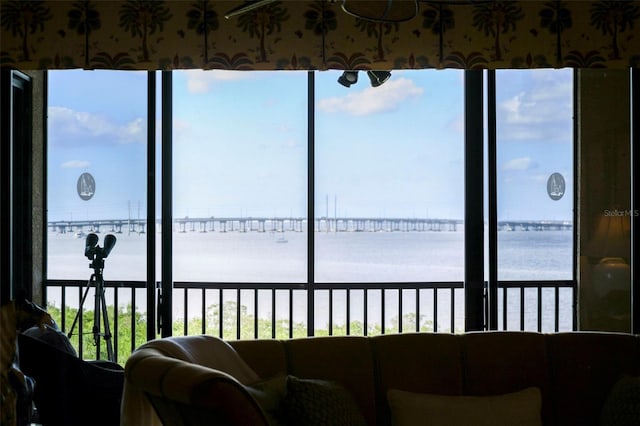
(269, 310)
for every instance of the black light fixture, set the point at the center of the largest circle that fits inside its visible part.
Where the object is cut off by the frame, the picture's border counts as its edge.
(378, 77)
(351, 77)
(348, 78)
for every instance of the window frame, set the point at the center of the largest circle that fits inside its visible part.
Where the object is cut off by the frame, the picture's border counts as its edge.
(480, 294)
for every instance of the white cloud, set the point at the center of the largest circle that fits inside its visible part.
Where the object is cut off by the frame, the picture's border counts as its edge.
(199, 81)
(373, 99)
(522, 163)
(135, 130)
(76, 164)
(68, 125)
(542, 111)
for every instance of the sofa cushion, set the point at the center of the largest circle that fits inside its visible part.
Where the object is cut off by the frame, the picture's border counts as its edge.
(506, 361)
(346, 360)
(416, 362)
(312, 402)
(266, 357)
(622, 407)
(520, 408)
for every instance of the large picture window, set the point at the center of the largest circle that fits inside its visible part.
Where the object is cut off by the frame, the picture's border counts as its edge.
(300, 205)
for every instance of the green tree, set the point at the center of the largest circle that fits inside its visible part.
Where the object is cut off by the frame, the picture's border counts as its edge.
(203, 20)
(556, 17)
(495, 18)
(614, 17)
(84, 18)
(128, 319)
(142, 18)
(123, 339)
(23, 18)
(262, 22)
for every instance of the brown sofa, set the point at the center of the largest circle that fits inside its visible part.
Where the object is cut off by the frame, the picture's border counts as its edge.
(198, 379)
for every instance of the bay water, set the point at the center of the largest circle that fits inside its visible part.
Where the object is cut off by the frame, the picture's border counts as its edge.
(359, 258)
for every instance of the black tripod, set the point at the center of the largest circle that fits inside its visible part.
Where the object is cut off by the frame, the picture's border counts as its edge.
(97, 254)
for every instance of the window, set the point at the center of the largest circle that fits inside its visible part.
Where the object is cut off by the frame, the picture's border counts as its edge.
(389, 195)
(534, 116)
(368, 238)
(96, 183)
(240, 176)
(389, 178)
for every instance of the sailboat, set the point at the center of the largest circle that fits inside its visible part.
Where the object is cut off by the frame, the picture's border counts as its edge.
(556, 187)
(281, 238)
(86, 187)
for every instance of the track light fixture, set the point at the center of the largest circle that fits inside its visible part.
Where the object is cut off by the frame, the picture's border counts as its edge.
(378, 77)
(351, 77)
(348, 78)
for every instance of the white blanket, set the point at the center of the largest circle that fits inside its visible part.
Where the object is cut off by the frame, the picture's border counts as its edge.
(207, 351)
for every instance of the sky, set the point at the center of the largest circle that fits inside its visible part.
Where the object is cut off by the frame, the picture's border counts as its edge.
(240, 144)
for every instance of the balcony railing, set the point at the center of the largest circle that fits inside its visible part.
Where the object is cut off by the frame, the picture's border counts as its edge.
(267, 310)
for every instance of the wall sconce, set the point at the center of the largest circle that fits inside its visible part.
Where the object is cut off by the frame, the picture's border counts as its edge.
(351, 77)
(611, 243)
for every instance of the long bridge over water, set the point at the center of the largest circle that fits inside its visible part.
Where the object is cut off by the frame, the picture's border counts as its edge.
(296, 224)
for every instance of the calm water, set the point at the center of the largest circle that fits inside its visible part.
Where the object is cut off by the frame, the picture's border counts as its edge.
(340, 257)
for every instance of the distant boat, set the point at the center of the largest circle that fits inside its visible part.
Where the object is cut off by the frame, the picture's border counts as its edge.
(79, 234)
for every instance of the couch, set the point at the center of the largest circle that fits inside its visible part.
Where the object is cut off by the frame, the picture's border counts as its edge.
(193, 380)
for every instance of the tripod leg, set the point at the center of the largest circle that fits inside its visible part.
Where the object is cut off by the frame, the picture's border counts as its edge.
(96, 315)
(105, 317)
(75, 320)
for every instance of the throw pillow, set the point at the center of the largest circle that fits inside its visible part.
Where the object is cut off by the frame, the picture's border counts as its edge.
(269, 394)
(312, 402)
(520, 408)
(622, 406)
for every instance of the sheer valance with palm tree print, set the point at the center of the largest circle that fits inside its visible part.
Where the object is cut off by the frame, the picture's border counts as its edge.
(317, 34)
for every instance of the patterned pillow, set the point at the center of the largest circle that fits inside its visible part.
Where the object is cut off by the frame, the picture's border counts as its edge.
(269, 394)
(312, 402)
(622, 406)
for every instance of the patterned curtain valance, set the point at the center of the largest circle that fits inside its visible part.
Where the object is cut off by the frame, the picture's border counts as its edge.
(317, 34)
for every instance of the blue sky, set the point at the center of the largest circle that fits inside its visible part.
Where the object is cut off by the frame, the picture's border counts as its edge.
(240, 144)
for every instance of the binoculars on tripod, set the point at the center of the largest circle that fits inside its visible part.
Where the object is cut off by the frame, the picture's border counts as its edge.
(95, 253)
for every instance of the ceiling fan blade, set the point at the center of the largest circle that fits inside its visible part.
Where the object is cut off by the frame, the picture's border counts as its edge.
(382, 10)
(248, 6)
